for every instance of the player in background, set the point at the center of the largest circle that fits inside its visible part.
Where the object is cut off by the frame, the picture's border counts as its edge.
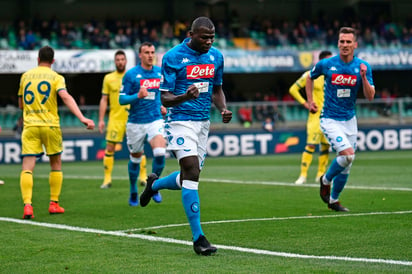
(118, 114)
(314, 133)
(140, 89)
(37, 98)
(344, 75)
(192, 78)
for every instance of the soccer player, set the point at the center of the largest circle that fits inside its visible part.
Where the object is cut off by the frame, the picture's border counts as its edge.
(37, 97)
(140, 89)
(314, 133)
(118, 114)
(192, 78)
(344, 75)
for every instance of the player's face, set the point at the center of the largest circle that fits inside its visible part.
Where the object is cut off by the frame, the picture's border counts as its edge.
(347, 44)
(202, 39)
(147, 55)
(120, 62)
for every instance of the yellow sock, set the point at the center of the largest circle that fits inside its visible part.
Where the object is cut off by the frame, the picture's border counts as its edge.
(307, 157)
(55, 182)
(108, 162)
(323, 159)
(26, 186)
(143, 170)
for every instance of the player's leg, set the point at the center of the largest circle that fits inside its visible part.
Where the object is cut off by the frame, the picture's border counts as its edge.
(323, 159)
(143, 171)
(306, 160)
(108, 163)
(55, 182)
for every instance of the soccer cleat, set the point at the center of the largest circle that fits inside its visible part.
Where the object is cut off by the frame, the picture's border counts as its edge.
(324, 191)
(301, 180)
(54, 208)
(28, 212)
(1, 182)
(337, 207)
(142, 182)
(106, 185)
(203, 247)
(148, 192)
(157, 197)
(133, 200)
(317, 179)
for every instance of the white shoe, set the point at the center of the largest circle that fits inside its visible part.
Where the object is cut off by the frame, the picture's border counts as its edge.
(301, 180)
(317, 179)
(1, 182)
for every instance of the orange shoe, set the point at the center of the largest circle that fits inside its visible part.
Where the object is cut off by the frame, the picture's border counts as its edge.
(28, 212)
(54, 208)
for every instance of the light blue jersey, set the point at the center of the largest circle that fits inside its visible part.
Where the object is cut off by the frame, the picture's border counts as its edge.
(342, 82)
(182, 67)
(145, 110)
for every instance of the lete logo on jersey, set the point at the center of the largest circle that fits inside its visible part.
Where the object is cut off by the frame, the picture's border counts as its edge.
(150, 83)
(344, 79)
(200, 71)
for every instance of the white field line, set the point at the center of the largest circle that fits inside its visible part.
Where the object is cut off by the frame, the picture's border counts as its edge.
(225, 247)
(212, 180)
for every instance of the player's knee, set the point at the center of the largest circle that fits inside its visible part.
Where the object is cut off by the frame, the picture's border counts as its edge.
(310, 148)
(345, 160)
(135, 160)
(159, 151)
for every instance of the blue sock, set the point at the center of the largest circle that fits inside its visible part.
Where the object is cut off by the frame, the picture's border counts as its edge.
(134, 170)
(333, 170)
(338, 184)
(158, 164)
(190, 199)
(168, 182)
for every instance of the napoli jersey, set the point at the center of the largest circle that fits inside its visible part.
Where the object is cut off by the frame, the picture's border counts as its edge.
(342, 82)
(182, 67)
(147, 109)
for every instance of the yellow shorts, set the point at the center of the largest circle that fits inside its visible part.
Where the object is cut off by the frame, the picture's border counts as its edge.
(34, 138)
(115, 131)
(315, 135)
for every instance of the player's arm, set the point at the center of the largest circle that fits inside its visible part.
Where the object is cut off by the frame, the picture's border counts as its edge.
(313, 108)
(294, 90)
(170, 100)
(102, 111)
(125, 96)
(368, 89)
(74, 108)
(219, 100)
(20, 102)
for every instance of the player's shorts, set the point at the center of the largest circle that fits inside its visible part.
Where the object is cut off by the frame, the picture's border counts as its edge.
(341, 134)
(188, 138)
(34, 138)
(315, 135)
(136, 134)
(115, 131)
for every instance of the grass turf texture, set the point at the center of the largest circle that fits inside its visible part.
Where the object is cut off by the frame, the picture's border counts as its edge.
(246, 202)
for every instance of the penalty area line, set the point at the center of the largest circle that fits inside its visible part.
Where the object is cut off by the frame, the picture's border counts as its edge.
(224, 247)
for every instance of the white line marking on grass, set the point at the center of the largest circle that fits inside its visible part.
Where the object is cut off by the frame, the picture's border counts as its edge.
(272, 219)
(212, 180)
(233, 248)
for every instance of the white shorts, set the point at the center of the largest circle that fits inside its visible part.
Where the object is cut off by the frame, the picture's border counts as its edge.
(341, 134)
(137, 133)
(188, 138)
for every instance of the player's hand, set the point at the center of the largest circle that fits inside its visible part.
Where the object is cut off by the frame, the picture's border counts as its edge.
(192, 92)
(306, 105)
(163, 110)
(142, 93)
(313, 108)
(89, 123)
(363, 70)
(226, 116)
(101, 126)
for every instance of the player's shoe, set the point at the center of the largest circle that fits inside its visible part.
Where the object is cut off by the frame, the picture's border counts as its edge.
(1, 182)
(28, 212)
(317, 179)
(148, 193)
(106, 185)
(142, 182)
(157, 197)
(301, 180)
(203, 247)
(133, 200)
(324, 191)
(54, 208)
(337, 207)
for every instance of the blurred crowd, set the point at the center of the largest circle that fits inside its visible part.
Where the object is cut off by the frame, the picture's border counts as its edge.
(110, 33)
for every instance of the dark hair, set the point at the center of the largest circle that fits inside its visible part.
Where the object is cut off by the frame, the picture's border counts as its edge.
(120, 52)
(348, 30)
(46, 54)
(324, 53)
(202, 22)
(145, 44)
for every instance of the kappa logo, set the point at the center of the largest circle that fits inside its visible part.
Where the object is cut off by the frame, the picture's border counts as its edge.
(185, 60)
(333, 69)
